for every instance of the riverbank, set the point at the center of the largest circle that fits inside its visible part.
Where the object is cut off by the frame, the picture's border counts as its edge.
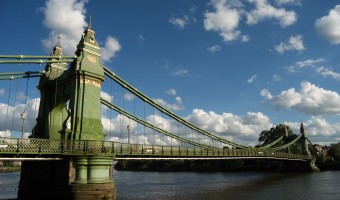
(9, 169)
(212, 166)
(329, 166)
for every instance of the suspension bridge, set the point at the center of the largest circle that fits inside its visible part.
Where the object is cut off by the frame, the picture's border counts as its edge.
(70, 144)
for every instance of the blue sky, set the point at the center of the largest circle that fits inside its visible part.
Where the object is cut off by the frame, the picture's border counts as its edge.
(232, 67)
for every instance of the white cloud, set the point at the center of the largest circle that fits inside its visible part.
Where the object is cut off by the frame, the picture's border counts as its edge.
(243, 129)
(316, 124)
(129, 96)
(171, 91)
(264, 11)
(252, 78)
(316, 66)
(180, 22)
(110, 49)
(106, 96)
(225, 19)
(178, 100)
(265, 93)
(292, 2)
(325, 72)
(67, 19)
(6, 133)
(2, 91)
(311, 100)
(306, 63)
(13, 114)
(177, 106)
(245, 38)
(309, 62)
(294, 43)
(180, 72)
(276, 77)
(328, 26)
(227, 16)
(214, 48)
(318, 130)
(141, 39)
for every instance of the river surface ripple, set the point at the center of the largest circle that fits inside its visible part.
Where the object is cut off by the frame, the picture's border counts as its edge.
(212, 186)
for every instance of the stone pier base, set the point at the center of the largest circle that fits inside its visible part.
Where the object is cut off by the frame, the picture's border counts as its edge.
(93, 178)
(297, 166)
(76, 178)
(91, 191)
(45, 179)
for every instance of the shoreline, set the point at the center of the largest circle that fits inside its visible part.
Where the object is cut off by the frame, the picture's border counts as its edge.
(9, 169)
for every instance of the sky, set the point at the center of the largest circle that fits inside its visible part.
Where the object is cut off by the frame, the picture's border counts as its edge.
(232, 67)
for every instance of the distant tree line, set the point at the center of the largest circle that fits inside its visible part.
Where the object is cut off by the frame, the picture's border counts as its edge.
(333, 159)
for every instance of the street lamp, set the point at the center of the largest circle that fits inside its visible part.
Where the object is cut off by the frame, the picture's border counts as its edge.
(128, 129)
(23, 117)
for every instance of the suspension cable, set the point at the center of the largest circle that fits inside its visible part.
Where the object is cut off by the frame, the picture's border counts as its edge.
(166, 111)
(24, 114)
(15, 98)
(9, 97)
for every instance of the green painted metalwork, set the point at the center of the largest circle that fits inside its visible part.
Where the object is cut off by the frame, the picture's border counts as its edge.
(18, 75)
(37, 57)
(271, 144)
(44, 147)
(35, 61)
(70, 105)
(288, 144)
(122, 111)
(166, 111)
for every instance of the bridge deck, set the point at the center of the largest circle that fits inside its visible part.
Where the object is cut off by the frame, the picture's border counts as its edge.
(16, 147)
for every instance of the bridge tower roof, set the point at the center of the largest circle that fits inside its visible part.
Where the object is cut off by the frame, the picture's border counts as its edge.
(57, 49)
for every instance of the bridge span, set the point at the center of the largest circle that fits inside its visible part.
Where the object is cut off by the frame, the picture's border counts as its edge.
(35, 148)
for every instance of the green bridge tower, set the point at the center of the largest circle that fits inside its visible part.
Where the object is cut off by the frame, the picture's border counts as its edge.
(70, 110)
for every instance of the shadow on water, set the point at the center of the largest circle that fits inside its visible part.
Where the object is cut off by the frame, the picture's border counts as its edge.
(221, 186)
(268, 186)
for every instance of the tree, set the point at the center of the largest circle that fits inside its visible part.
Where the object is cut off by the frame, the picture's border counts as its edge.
(269, 136)
(334, 151)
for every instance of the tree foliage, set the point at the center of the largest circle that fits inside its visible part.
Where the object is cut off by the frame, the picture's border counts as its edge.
(334, 151)
(269, 136)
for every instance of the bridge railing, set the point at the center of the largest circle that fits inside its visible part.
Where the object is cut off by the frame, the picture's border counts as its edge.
(18, 146)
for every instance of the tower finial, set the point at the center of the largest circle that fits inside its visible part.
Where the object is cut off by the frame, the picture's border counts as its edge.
(90, 22)
(58, 41)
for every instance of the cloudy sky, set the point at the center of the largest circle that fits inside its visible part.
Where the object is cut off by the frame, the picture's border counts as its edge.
(232, 67)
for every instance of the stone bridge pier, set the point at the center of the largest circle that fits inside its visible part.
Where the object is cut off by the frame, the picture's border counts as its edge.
(76, 178)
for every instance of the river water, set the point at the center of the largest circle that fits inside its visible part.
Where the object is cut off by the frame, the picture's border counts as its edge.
(211, 186)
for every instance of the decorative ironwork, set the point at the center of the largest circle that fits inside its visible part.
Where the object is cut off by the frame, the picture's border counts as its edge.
(42, 147)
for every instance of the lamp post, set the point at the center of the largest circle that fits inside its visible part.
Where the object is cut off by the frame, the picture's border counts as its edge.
(23, 117)
(128, 129)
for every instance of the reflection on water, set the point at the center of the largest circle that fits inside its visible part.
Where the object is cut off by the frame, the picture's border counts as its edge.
(216, 186)
(212, 186)
(9, 185)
